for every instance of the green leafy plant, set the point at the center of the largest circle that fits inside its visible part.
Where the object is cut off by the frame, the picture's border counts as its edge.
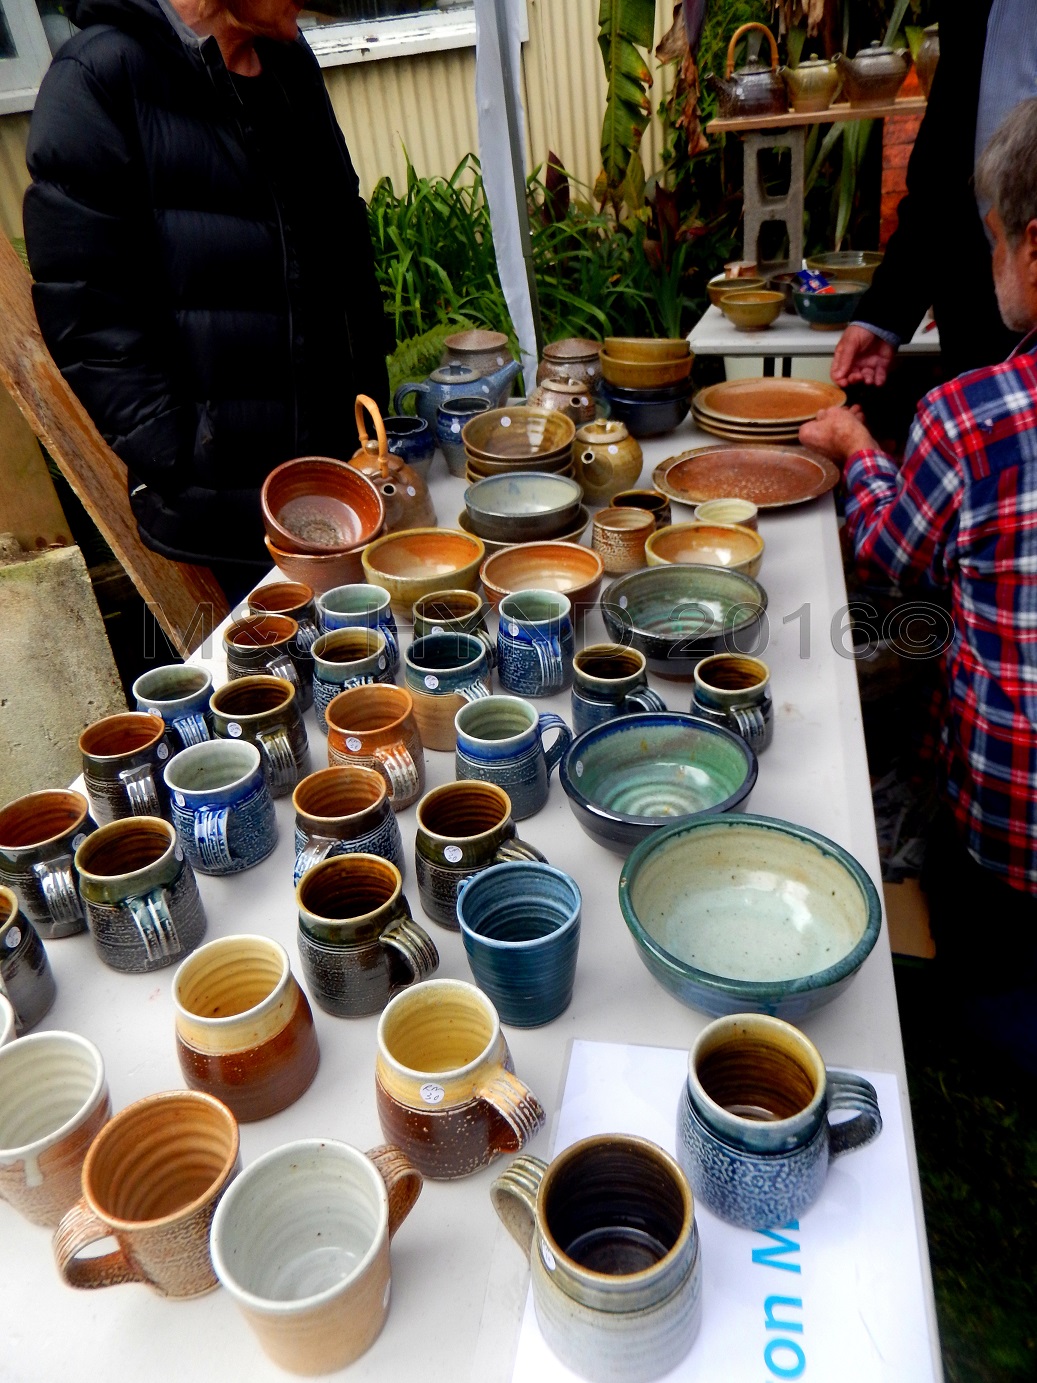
(625, 27)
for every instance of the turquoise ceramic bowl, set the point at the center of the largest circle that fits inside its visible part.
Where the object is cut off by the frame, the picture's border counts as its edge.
(829, 311)
(627, 779)
(749, 914)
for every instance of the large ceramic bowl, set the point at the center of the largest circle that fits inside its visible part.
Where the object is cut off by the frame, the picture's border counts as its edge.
(522, 506)
(321, 570)
(712, 544)
(752, 311)
(317, 504)
(749, 914)
(647, 347)
(520, 433)
(574, 570)
(856, 265)
(571, 535)
(832, 310)
(650, 413)
(420, 561)
(645, 374)
(628, 778)
(720, 284)
(678, 614)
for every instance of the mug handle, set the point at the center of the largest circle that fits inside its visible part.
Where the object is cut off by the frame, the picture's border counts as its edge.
(282, 666)
(475, 691)
(210, 837)
(401, 770)
(749, 723)
(278, 760)
(404, 392)
(516, 849)
(514, 1197)
(549, 721)
(516, 1104)
(155, 924)
(78, 1229)
(140, 791)
(59, 888)
(412, 943)
(307, 636)
(848, 1091)
(314, 852)
(403, 1182)
(191, 729)
(644, 699)
(552, 670)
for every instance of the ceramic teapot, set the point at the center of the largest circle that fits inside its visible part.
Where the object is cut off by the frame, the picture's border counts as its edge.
(607, 460)
(812, 86)
(756, 88)
(568, 396)
(404, 493)
(455, 382)
(875, 74)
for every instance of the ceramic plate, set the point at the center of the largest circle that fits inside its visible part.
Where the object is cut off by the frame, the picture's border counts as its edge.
(747, 434)
(767, 400)
(771, 477)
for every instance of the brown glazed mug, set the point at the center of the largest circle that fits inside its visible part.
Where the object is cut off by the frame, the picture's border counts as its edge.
(375, 726)
(653, 502)
(265, 711)
(39, 835)
(123, 757)
(344, 810)
(152, 1180)
(244, 1029)
(292, 598)
(444, 1080)
(269, 644)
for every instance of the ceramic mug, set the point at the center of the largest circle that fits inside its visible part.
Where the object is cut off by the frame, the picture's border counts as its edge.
(375, 726)
(292, 598)
(520, 924)
(152, 1180)
(347, 658)
(445, 1083)
(451, 416)
(39, 835)
(142, 903)
(344, 810)
(500, 740)
(244, 1029)
(535, 642)
(443, 673)
(463, 828)
(261, 644)
(454, 612)
(179, 696)
(733, 690)
(412, 440)
(361, 606)
(610, 680)
(53, 1102)
(358, 943)
(301, 1243)
(619, 536)
(222, 808)
(742, 512)
(264, 711)
(26, 980)
(613, 1247)
(122, 760)
(653, 502)
(753, 1128)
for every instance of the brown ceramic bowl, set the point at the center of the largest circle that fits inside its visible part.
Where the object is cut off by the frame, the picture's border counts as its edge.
(709, 544)
(647, 348)
(419, 561)
(518, 434)
(752, 311)
(858, 266)
(645, 374)
(321, 571)
(316, 504)
(574, 570)
(572, 534)
(720, 284)
(557, 464)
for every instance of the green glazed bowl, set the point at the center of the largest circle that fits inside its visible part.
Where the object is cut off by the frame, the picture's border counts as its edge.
(829, 311)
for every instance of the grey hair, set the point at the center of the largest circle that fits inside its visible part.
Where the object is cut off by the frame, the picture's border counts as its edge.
(1006, 174)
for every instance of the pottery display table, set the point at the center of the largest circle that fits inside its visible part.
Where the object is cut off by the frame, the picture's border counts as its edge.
(459, 1283)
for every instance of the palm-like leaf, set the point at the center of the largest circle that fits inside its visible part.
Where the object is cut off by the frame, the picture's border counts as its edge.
(625, 26)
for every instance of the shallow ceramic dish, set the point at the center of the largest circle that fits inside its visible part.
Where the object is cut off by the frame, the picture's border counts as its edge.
(713, 544)
(751, 311)
(562, 464)
(771, 477)
(720, 283)
(316, 504)
(647, 417)
(645, 374)
(678, 614)
(419, 561)
(767, 400)
(574, 570)
(517, 508)
(519, 433)
(628, 778)
(320, 570)
(749, 915)
(647, 348)
(571, 535)
(832, 310)
(858, 265)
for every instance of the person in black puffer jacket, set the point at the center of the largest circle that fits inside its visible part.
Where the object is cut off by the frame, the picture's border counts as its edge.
(203, 269)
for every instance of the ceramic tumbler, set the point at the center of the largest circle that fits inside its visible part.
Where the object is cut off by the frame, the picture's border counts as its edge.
(454, 612)
(244, 1029)
(375, 726)
(347, 658)
(443, 673)
(292, 598)
(53, 1102)
(261, 644)
(341, 811)
(740, 511)
(610, 680)
(151, 1181)
(500, 740)
(535, 643)
(754, 1132)
(26, 980)
(445, 1083)
(222, 808)
(179, 696)
(619, 536)
(463, 828)
(613, 1247)
(358, 943)
(264, 711)
(734, 690)
(39, 835)
(142, 903)
(123, 756)
(364, 607)
(301, 1244)
(451, 416)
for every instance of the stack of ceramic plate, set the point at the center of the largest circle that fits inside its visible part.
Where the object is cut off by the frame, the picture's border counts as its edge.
(505, 441)
(767, 410)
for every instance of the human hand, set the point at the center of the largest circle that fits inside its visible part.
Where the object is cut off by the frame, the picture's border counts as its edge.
(861, 357)
(838, 433)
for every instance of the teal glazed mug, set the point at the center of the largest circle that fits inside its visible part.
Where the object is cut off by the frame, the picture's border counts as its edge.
(610, 680)
(535, 643)
(222, 808)
(123, 756)
(179, 696)
(361, 606)
(454, 612)
(264, 711)
(754, 1128)
(500, 739)
(39, 835)
(344, 810)
(351, 657)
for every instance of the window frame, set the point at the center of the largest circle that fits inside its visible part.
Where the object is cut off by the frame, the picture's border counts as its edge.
(20, 76)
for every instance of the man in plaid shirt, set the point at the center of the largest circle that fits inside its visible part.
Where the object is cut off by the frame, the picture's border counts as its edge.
(960, 514)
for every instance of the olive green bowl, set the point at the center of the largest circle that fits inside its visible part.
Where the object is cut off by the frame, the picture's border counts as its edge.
(752, 311)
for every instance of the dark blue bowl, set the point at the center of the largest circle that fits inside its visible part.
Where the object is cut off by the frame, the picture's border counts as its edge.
(645, 416)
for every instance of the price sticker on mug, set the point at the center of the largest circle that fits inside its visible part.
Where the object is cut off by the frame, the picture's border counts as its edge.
(432, 1093)
(431, 681)
(352, 743)
(453, 854)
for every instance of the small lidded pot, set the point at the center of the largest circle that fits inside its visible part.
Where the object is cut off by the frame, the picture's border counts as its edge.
(574, 358)
(607, 459)
(566, 395)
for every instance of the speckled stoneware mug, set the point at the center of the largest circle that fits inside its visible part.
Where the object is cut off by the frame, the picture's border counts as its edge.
(179, 696)
(500, 739)
(734, 690)
(375, 726)
(39, 835)
(26, 979)
(123, 756)
(753, 1128)
(443, 673)
(344, 810)
(292, 598)
(270, 644)
(535, 642)
(364, 607)
(454, 612)
(264, 711)
(610, 680)
(347, 658)
(221, 805)
(616, 1269)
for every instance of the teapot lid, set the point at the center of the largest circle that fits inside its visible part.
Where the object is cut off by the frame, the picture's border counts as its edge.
(814, 62)
(454, 374)
(875, 49)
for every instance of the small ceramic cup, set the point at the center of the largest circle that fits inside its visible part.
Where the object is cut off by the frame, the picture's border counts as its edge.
(412, 440)
(347, 658)
(451, 417)
(610, 680)
(653, 502)
(454, 612)
(734, 690)
(375, 726)
(151, 1181)
(463, 828)
(39, 835)
(445, 1083)
(269, 644)
(301, 1243)
(361, 606)
(619, 535)
(753, 1128)
(742, 512)
(613, 1247)
(500, 740)
(222, 808)
(179, 696)
(520, 923)
(123, 757)
(26, 980)
(244, 1029)
(358, 943)
(443, 673)
(291, 598)
(142, 903)
(53, 1102)
(342, 811)
(264, 711)
(535, 643)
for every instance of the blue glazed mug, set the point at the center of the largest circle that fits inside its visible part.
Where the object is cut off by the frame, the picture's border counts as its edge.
(347, 658)
(342, 811)
(222, 808)
(734, 690)
(754, 1134)
(451, 417)
(179, 696)
(412, 440)
(610, 680)
(520, 923)
(535, 643)
(444, 672)
(500, 740)
(361, 606)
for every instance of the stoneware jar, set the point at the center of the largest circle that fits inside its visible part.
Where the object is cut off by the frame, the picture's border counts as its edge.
(264, 711)
(341, 811)
(375, 726)
(443, 673)
(500, 739)
(269, 644)
(364, 607)
(26, 979)
(607, 459)
(610, 680)
(482, 351)
(179, 696)
(222, 808)
(39, 835)
(123, 757)
(347, 658)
